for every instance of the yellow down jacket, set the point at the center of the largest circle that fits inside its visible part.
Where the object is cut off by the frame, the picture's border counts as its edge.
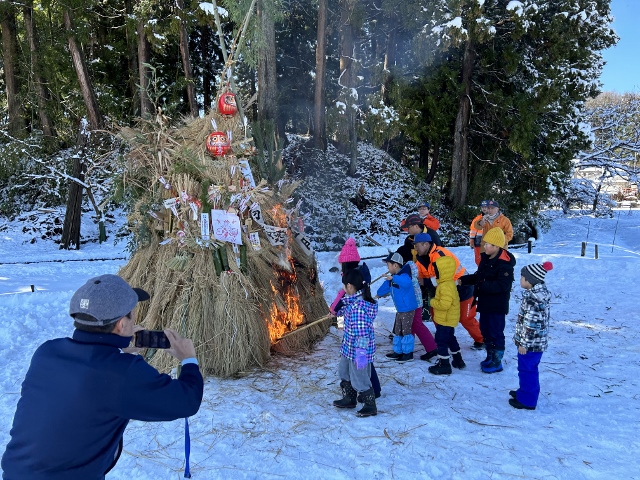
(446, 303)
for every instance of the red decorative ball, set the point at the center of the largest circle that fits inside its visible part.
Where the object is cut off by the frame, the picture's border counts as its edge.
(227, 104)
(218, 144)
(547, 266)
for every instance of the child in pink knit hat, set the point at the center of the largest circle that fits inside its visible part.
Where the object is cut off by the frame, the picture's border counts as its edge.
(349, 259)
(349, 252)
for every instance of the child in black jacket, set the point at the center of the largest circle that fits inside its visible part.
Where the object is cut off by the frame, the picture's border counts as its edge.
(492, 283)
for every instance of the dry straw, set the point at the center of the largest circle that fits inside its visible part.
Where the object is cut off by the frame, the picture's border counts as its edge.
(227, 313)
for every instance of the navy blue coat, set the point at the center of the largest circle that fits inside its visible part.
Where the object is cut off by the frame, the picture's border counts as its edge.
(493, 282)
(77, 398)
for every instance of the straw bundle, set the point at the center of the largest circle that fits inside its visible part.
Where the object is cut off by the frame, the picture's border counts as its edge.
(234, 309)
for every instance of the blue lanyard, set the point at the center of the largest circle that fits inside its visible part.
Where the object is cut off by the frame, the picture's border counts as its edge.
(187, 448)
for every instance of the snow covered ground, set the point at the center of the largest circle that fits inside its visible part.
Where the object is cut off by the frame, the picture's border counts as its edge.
(279, 422)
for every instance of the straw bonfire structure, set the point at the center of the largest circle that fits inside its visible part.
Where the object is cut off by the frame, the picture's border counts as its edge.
(224, 259)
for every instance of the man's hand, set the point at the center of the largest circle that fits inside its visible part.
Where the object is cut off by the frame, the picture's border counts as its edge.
(181, 348)
(388, 276)
(134, 350)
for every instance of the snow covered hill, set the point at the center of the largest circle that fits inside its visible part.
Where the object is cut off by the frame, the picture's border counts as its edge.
(279, 422)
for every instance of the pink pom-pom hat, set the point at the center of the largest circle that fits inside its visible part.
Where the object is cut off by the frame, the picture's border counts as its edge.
(349, 252)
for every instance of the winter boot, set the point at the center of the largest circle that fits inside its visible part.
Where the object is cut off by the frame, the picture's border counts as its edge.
(429, 355)
(405, 357)
(477, 346)
(516, 404)
(513, 394)
(393, 355)
(369, 399)
(489, 358)
(457, 361)
(496, 362)
(349, 394)
(442, 366)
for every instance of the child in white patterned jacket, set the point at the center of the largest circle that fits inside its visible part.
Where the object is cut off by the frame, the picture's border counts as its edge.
(532, 329)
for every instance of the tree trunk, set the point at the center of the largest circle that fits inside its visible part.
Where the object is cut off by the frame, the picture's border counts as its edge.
(93, 109)
(347, 82)
(434, 163)
(319, 134)
(460, 159)
(36, 71)
(16, 126)
(267, 80)
(596, 198)
(132, 60)
(186, 64)
(144, 57)
(205, 45)
(73, 216)
(389, 62)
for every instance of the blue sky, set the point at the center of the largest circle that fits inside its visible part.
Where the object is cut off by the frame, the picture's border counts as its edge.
(622, 71)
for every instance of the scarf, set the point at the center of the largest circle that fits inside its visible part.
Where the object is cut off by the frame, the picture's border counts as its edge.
(492, 218)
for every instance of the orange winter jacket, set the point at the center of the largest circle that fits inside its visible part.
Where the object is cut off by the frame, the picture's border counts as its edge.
(431, 222)
(426, 262)
(501, 222)
(475, 232)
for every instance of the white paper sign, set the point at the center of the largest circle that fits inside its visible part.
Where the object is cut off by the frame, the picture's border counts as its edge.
(304, 242)
(256, 213)
(254, 238)
(171, 202)
(226, 226)
(204, 226)
(276, 235)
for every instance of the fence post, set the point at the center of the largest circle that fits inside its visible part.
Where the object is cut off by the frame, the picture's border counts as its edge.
(596, 252)
(528, 246)
(583, 249)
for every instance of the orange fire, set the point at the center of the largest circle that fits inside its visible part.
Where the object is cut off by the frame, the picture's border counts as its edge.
(288, 316)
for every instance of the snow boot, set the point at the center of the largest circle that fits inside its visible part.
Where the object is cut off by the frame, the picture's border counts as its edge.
(516, 404)
(369, 399)
(489, 358)
(393, 355)
(442, 366)
(429, 355)
(457, 361)
(349, 395)
(477, 346)
(496, 362)
(405, 357)
(513, 393)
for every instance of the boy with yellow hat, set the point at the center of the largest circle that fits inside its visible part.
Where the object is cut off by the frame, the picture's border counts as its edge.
(492, 284)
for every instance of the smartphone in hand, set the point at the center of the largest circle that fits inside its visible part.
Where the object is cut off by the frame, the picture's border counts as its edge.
(152, 339)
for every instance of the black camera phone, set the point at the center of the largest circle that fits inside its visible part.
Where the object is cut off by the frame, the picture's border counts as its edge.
(152, 339)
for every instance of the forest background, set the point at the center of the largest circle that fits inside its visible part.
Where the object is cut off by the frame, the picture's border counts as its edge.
(478, 97)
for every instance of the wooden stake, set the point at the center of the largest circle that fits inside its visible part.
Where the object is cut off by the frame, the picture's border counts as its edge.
(583, 249)
(596, 251)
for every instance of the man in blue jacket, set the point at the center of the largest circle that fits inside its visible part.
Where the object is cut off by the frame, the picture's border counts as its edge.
(79, 393)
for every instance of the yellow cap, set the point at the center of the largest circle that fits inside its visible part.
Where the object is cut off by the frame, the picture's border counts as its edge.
(495, 236)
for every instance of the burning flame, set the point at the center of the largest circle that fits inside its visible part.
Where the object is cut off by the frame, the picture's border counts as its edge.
(289, 316)
(284, 316)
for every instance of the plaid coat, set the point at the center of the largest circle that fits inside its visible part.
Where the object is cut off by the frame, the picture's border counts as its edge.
(532, 325)
(358, 322)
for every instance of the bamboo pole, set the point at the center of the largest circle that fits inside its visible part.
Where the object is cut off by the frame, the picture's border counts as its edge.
(322, 319)
(226, 58)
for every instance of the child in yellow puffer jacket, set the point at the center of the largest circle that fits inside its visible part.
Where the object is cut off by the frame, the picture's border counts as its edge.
(446, 316)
